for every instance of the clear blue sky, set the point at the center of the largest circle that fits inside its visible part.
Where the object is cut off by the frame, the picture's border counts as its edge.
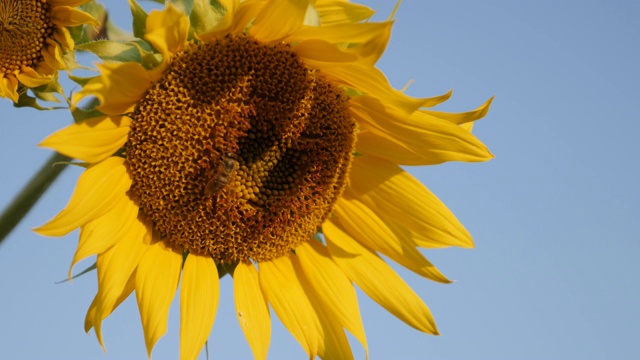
(555, 215)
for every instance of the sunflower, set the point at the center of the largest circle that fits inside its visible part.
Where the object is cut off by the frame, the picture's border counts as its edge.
(266, 146)
(35, 41)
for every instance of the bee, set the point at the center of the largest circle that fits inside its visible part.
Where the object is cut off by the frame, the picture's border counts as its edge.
(223, 173)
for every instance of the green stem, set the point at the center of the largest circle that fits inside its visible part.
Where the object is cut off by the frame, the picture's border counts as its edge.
(30, 194)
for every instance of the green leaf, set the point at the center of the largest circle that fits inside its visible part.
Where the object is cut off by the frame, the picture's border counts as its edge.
(111, 50)
(203, 16)
(139, 19)
(87, 112)
(24, 100)
(183, 5)
(82, 81)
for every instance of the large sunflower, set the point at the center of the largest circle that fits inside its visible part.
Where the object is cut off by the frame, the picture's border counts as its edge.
(267, 147)
(35, 41)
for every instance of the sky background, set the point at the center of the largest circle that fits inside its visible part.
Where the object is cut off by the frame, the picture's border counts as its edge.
(555, 215)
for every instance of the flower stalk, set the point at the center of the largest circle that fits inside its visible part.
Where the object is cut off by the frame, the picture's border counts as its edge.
(31, 193)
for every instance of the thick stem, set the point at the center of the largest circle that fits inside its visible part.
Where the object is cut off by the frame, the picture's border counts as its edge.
(30, 194)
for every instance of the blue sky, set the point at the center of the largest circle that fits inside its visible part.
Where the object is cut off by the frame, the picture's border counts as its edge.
(554, 274)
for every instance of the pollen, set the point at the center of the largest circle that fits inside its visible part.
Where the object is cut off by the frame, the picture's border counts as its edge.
(25, 26)
(239, 151)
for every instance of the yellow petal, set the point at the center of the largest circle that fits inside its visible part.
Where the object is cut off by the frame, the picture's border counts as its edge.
(458, 118)
(378, 280)
(336, 345)
(31, 78)
(331, 287)
(167, 30)
(366, 227)
(410, 142)
(252, 309)
(282, 288)
(368, 41)
(53, 55)
(334, 12)
(72, 3)
(343, 33)
(396, 196)
(115, 268)
(90, 317)
(98, 190)
(68, 16)
(223, 26)
(62, 35)
(92, 140)
(279, 19)
(118, 87)
(157, 278)
(371, 81)
(9, 87)
(323, 51)
(100, 234)
(199, 294)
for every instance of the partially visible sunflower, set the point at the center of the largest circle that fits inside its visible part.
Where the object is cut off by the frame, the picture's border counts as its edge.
(267, 147)
(35, 42)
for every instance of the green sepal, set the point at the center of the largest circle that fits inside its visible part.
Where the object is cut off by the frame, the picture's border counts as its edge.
(86, 112)
(24, 100)
(204, 16)
(82, 81)
(113, 51)
(139, 19)
(224, 269)
(183, 5)
(149, 58)
(90, 268)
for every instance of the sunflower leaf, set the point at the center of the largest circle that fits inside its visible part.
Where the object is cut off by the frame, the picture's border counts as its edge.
(111, 50)
(139, 19)
(203, 16)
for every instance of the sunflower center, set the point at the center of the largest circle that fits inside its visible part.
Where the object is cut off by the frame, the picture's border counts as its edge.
(25, 26)
(239, 151)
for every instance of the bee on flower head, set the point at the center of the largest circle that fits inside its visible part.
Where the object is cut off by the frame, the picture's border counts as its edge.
(222, 174)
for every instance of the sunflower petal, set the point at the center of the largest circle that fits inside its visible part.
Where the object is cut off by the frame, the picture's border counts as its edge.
(392, 193)
(199, 294)
(279, 19)
(343, 33)
(123, 84)
(167, 30)
(427, 142)
(9, 87)
(282, 288)
(68, 16)
(90, 317)
(458, 118)
(368, 229)
(63, 36)
(378, 280)
(323, 51)
(373, 82)
(336, 344)
(157, 279)
(332, 287)
(334, 12)
(92, 140)
(102, 233)
(98, 190)
(31, 78)
(252, 309)
(115, 268)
